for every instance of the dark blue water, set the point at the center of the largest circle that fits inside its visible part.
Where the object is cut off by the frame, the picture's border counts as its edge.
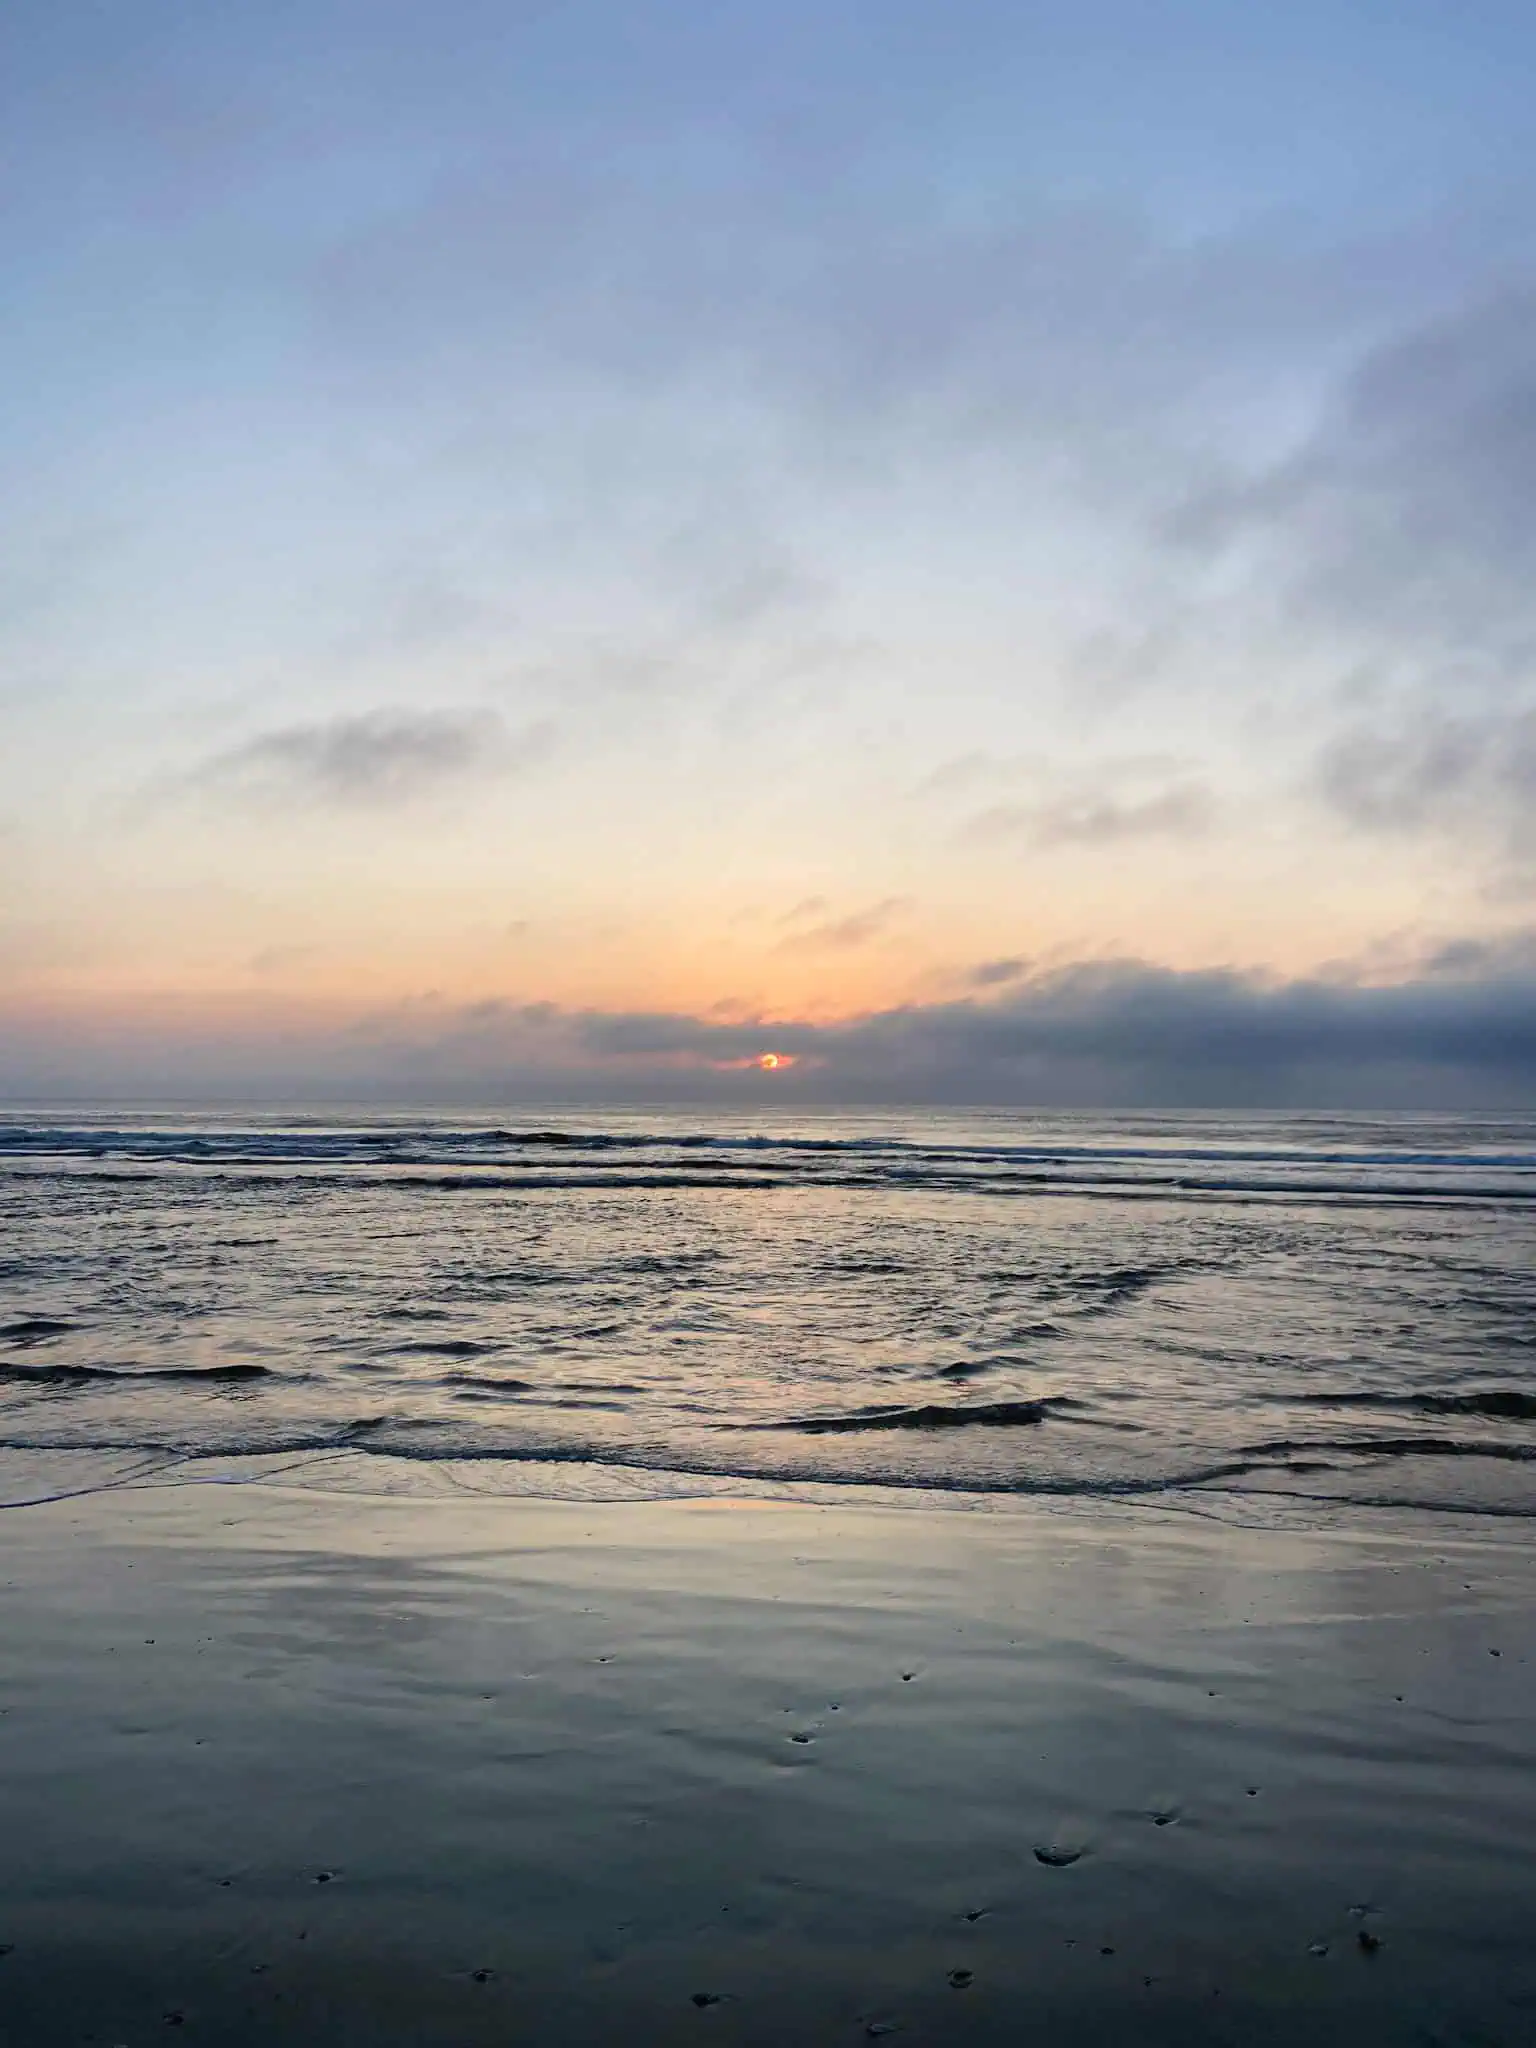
(1212, 1307)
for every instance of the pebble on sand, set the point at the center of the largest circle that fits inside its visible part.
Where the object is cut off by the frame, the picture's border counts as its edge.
(961, 1980)
(1054, 1857)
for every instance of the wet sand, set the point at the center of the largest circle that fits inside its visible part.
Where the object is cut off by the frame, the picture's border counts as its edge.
(280, 1766)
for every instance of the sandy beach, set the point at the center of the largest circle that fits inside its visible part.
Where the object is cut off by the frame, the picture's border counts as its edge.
(281, 1765)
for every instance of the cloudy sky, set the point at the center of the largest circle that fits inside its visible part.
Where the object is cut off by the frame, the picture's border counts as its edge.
(551, 546)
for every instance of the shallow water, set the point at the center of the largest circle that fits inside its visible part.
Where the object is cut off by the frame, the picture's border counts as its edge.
(1224, 1306)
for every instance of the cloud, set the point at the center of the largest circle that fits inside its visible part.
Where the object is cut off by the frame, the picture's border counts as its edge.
(808, 906)
(1510, 955)
(368, 761)
(1385, 569)
(871, 318)
(1461, 1033)
(963, 772)
(1156, 1033)
(1404, 516)
(994, 973)
(282, 959)
(1102, 1033)
(845, 934)
(1472, 777)
(1185, 811)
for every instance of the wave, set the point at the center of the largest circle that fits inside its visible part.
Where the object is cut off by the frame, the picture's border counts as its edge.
(65, 1375)
(370, 1438)
(665, 1262)
(446, 1347)
(34, 1329)
(448, 1157)
(991, 1414)
(550, 1390)
(1278, 1469)
(1123, 1283)
(1106, 1293)
(385, 1437)
(929, 1174)
(297, 1141)
(1397, 1447)
(1509, 1404)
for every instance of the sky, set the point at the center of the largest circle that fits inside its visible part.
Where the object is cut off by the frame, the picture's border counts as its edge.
(986, 549)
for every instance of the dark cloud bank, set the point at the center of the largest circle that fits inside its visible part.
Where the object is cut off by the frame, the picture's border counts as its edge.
(1103, 1034)
(1461, 1035)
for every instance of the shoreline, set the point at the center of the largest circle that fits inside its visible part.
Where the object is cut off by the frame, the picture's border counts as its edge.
(361, 1474)
(292, 1764)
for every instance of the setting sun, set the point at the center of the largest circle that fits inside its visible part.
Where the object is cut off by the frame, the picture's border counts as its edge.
(759, 1063)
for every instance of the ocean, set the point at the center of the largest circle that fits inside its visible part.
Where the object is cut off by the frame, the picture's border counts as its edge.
(1249, 1315)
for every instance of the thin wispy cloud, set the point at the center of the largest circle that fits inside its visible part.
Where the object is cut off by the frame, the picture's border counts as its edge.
(996, 973)
(807, 907)
(1186, 811)
(376, 760)
(847, 934)
(281, 959)
(1471, 778)
(1404, 515)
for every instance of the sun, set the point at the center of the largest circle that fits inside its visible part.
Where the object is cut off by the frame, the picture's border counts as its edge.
(759, 1063)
